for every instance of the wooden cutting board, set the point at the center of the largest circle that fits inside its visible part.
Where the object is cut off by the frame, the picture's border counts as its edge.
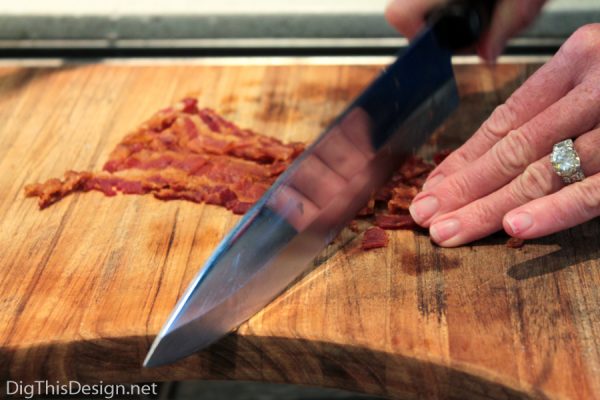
(86, 284)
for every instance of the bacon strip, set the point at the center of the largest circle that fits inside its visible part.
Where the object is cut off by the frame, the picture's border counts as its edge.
(374, 238)
(185, 153)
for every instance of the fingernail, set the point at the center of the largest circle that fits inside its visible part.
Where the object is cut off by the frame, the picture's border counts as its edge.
(424, 208)
(444, 230)
(433, 182)
(520, 222)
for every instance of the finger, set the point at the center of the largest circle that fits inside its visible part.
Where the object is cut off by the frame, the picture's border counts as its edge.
(545, 87)
(408, 16)
(571, 206)
(510, 17)
(570, 116)
(576, 61)
(484, 216)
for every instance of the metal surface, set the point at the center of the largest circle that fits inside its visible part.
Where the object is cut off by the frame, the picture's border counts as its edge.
(313, 200)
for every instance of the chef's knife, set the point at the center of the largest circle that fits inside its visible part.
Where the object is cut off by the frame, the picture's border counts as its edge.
(325, 187)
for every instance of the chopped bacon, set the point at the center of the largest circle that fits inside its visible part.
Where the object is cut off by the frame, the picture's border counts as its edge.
(374, 238)
(187, 153)
(401, 197)
(413, 167)
(515, 243)
(367, 210)
(188, 105)
(395, 221)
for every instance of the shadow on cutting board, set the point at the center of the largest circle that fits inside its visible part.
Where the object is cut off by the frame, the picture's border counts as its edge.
(261, 358)
(577, 245)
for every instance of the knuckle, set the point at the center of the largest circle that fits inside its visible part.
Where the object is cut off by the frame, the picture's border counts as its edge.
(587, 146)
(512, 153)
(533, 183)
(584, 41)
(460, 190)
(486, 214)
(457, 157)
(593, 91)
(587, 195)
(501, 121)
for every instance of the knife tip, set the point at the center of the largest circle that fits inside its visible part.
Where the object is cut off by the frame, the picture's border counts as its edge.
(152, 358)
(168, 347)
(160, 353)
(150, 361)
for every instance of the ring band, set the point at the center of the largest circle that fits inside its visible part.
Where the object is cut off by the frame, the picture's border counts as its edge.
(566, 162)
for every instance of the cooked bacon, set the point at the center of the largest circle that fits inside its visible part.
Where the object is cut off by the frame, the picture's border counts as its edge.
(374, 238)
(187, 153)
(413, 167)
(54, 189)
(395, 221)
(183, 152)
(367, 210)
(401, 197)
(515, 243)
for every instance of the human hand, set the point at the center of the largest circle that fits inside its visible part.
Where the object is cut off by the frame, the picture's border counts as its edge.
(502, 176)
(510, 16)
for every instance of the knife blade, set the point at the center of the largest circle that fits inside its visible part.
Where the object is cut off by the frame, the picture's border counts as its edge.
(320, 192)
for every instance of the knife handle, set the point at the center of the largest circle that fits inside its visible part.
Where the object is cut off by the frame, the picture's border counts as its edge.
(460, 23)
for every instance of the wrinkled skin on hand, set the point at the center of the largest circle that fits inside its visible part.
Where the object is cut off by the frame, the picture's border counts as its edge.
(502, 176)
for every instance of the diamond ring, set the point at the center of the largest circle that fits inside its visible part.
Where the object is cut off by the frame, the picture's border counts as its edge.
(566, 162)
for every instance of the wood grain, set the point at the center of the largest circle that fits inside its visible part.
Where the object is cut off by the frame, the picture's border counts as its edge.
(86, 284)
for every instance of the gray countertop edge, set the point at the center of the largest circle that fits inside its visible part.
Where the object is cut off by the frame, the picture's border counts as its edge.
(551, 24)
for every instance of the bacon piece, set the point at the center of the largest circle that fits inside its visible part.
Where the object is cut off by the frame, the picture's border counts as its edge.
(395, 221)
(374, 238)
(54, 189)
(189, 105)
(413, 167)
(384, 194)
(515, 243)
(353, 226)
(241, 207)
(367, 210)
(401, 197)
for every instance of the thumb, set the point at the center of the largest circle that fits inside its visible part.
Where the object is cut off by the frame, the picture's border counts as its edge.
(408, 16)
(510, 17)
